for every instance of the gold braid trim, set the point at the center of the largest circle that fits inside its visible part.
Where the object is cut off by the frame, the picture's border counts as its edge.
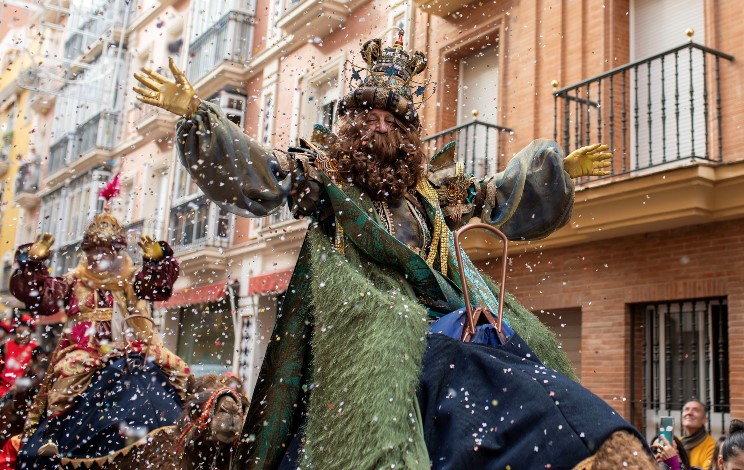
(340, 240)
(110, 458)
(441, 231)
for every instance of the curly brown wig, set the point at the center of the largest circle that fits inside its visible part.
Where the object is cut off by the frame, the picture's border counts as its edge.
(386, 166)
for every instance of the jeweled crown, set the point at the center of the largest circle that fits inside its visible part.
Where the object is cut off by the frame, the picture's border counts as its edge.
(392, 67)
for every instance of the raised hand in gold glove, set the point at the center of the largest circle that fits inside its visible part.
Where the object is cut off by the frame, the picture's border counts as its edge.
(40, 249)
(178, 97)
(151, 249)
(588, 161)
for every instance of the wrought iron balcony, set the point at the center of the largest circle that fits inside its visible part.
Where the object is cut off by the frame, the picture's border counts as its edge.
(81, 41)
(98, 132)
(309, 19)
(199, 224)
(659, 111)
(479, 146)
(228, 40)
(110, 19)
(60, 151)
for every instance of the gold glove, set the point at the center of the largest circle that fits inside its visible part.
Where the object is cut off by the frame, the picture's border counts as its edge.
(151, 250)
(40, 249)
(588, 161)
(178, 97)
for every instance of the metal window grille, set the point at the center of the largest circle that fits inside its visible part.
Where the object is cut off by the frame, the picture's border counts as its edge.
(679, 352)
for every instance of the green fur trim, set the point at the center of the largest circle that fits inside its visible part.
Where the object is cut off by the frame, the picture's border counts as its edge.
(368, 343)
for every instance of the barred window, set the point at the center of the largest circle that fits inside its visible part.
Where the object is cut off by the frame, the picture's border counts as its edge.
(679, 352)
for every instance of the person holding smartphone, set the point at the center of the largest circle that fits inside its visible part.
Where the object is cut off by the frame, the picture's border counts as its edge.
(670, 456)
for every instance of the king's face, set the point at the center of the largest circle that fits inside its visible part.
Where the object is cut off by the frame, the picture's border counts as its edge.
(380, 121)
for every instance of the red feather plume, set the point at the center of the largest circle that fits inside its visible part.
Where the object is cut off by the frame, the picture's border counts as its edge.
(111, 190)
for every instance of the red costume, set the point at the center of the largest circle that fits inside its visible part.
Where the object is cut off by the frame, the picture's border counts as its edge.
(15, 356)
(9, 453)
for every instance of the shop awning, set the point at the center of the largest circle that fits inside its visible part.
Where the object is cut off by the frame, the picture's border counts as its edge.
(196, 295)
(271, 283)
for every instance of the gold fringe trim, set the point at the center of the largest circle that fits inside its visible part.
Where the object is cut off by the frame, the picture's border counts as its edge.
(440, 239)
(109, 458)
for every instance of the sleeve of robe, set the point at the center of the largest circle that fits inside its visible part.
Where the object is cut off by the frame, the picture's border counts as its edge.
(232, 169)
(32, 284)
(529, 200)
(156, 278)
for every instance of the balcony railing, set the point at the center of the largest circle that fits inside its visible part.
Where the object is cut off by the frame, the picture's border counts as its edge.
(27, 178)
(199, 243)
(98, 132)
(479, 146)
(199, 224)
(282, 215)
(227, 40)
(98, 27)
(81, 41)
(656, 111)
(59, 152)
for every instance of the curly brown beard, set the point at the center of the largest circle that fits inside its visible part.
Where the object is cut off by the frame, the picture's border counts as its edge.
(385, 166)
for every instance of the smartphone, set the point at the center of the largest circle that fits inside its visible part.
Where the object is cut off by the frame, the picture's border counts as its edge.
(666, 429)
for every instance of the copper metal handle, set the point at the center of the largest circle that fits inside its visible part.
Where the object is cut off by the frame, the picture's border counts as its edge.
(470, 324)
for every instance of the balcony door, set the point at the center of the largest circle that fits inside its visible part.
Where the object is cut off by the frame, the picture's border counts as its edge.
(667, 105)
(478, 91)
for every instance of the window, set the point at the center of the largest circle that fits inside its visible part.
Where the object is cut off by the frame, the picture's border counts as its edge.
(66, 258)
(679, 351)
(207, 337)
(186, 188)
(267, 120)
(93, 91)
(66, 211)
(233, 106)
(6, 133)
(318, 100)
(274, 15)
(198, 223)
(205, 13)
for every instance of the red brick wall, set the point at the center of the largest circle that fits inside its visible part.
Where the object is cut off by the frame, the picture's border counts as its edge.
(604, 278)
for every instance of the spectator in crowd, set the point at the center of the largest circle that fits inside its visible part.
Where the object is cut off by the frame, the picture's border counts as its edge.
(17, 353)
(670, 456)
(731, 456)
(698, 443)
(716, 453)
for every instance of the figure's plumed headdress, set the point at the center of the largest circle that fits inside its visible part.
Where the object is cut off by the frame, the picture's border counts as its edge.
(388, 82)
(105, 229)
